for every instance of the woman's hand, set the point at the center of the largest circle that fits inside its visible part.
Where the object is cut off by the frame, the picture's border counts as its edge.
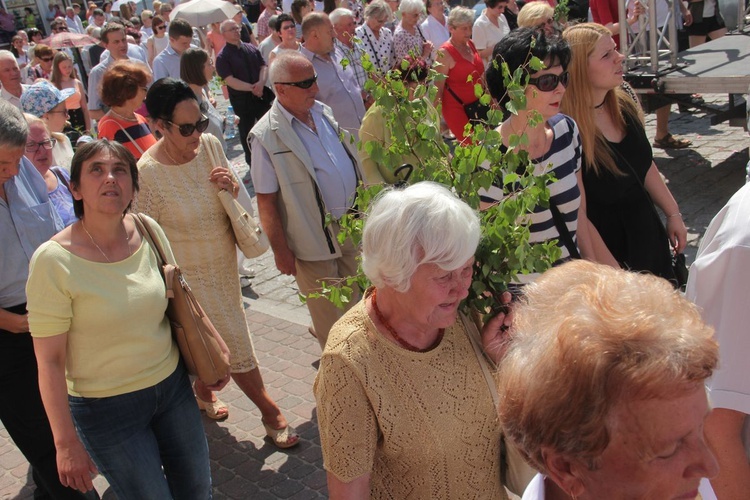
(677, 232)
(222, 177)
(495, 332)
(220, 384)
(75, 467)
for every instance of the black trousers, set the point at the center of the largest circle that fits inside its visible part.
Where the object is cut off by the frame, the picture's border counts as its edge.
(22, 413)
(249, 109)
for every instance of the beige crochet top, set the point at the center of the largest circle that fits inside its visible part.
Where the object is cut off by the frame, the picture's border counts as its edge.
(423, 424)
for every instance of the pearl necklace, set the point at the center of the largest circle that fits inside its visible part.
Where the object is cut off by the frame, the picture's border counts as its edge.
(127, 241)
(403, 343)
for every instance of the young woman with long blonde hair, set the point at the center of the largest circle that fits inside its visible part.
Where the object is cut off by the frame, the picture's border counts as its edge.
(620, 178)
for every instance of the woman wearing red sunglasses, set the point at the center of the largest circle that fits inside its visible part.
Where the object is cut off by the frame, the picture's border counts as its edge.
(554, 144)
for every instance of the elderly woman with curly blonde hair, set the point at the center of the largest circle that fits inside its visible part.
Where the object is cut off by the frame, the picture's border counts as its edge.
(537, 15)
(602, 386)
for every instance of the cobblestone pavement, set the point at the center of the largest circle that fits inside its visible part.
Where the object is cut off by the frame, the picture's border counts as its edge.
(245, 465)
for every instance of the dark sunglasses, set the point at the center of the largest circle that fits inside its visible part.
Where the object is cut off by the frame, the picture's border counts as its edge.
(187, 129)
(304, 84)
(160, 27)
(46, 59)
(548, 83)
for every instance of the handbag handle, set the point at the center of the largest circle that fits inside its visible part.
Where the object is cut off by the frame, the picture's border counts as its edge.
(145, 230)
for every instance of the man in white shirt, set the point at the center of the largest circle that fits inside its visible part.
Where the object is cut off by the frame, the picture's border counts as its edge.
(305, 171)
(10, 77)
(113, 39)
(719, 283)
(73, 21)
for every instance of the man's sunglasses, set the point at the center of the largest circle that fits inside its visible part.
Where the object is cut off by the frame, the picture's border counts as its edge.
(187, 129)
(304, 84)
(548, 83)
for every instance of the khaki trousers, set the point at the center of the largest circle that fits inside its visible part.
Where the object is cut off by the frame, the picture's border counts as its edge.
(309, 273)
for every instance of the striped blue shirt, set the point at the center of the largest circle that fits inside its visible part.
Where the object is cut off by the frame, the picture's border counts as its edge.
(564, 160)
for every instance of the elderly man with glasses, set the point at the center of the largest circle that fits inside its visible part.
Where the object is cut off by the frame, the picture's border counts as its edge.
(305, 172)
(27, 219)
(243, 69)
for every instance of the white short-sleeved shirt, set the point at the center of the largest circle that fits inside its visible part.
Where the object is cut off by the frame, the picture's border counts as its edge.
(485, 34)
(719, 283)
(333, 166)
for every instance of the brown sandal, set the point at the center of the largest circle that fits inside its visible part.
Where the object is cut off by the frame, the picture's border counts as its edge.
(671, 142)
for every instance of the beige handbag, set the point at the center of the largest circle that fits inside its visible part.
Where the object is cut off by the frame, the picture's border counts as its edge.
(251, 239)
(515, 472)
(201, 346)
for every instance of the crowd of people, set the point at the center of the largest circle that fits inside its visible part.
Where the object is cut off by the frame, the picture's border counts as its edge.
(414, 398)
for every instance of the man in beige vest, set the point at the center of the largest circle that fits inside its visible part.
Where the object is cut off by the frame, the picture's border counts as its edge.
(305, 170)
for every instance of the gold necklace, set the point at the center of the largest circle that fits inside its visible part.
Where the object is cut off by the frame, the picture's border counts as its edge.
(134, 119)
(127, 240)
(164, 148)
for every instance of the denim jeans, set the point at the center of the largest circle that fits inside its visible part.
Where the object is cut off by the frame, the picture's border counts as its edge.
(149, 444)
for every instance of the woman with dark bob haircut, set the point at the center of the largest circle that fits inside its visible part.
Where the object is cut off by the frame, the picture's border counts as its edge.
(602, 386)
(554, 144)
(181, 176)
(196, 69)
(123, 89)
(127, 410)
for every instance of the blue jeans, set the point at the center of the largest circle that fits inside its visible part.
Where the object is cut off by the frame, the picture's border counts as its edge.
(149, 444)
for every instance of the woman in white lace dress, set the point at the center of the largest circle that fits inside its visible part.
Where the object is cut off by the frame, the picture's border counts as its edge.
(180, 178)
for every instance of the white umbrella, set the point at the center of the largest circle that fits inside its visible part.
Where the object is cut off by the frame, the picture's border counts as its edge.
(204, 12)
(117, 4)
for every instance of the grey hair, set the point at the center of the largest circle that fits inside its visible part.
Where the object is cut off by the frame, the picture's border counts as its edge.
(13, 127)
(378, 10)
(422, 224)
(7, 54)
(460, 15)
(337, 15)
(284, 61)
(409, 6)
(225, 23)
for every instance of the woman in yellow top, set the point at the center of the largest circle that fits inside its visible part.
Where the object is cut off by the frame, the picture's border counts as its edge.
(404, 405)
(96, 303)
(376, 128)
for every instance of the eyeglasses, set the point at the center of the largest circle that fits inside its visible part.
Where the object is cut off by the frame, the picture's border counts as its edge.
(236, 28)
(187, 129)
(33, 147)
(46, 59)
(160, 27)
(288, 27)
(304, 84)
(548, 83)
